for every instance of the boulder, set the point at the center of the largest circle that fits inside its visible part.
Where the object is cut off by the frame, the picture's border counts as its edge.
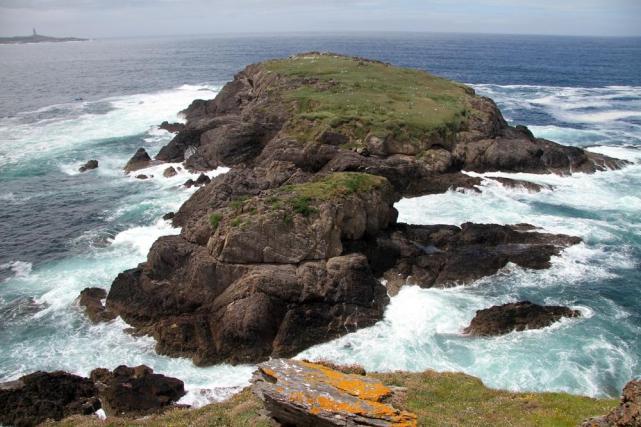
(519, 316)
(168, 216)
(169, 172)
(91, 164)
(92, 301)
(39, 396)
(142, 176)
(307, 394)
(139, 160)
(135, 391)
(627, 414)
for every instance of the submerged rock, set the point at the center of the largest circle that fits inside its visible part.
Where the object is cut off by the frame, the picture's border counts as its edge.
(135, 391)
(518, 183)
(519, 316)
(139, 160)
(91, 164)
(308, 394)
(39, 396)
(627, 414)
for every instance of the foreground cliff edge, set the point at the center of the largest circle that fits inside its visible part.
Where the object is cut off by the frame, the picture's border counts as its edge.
(286, 249)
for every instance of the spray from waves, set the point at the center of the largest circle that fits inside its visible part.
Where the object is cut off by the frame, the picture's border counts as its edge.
(593, 355)
(20, 269)
(572, 115)
(75, 125)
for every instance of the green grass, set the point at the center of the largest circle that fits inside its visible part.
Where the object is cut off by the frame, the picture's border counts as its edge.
(360, 97)
(214, 220)
(438, 399)
(334, 185)
(455, 399)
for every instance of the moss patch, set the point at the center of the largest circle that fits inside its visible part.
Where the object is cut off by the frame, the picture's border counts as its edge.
(358, 97)
(335, 185)
(214, 220)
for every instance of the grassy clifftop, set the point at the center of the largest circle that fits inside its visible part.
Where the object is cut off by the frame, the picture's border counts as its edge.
(359, 97)
(438, 399)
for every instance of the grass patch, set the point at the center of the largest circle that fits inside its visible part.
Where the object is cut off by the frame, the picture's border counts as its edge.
(361, 97)
(438, 399)
(335, 185)
(214, 220)
(302, 205)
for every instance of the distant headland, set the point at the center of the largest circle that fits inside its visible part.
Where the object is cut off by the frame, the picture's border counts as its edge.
(37, 38)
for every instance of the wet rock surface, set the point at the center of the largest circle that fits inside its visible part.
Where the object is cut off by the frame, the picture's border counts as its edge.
(91, 299)
(139, 160)
(627, 414)
(308, 394)
(91, 164)
(519, 316)
(39, 396)
(172, 127)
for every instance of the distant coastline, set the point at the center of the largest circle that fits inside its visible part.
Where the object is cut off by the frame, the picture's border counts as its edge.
(36, 38)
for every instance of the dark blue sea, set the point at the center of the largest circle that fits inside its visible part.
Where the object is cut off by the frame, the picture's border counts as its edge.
(62, 104)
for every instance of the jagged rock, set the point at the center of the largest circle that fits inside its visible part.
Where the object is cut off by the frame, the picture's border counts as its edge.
(168, 216)
(446, 255)
(172, 127)
(627, 414)
(519, 316)
(91, 299)
(91, 164)
(169, 172)
(202, 180)
(135, 391)
(307, 394)
(189, 183)
(46, 395)
(139, 160)
(518, 183)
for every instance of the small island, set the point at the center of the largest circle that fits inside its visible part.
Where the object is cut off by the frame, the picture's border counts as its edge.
(37, 38)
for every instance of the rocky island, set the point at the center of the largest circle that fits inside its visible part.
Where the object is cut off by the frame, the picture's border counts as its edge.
(37, 38)
(299, 242)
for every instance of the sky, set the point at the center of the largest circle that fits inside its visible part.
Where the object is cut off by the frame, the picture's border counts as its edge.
(114, 18)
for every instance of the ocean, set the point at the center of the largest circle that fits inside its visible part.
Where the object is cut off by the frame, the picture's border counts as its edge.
(61, 231)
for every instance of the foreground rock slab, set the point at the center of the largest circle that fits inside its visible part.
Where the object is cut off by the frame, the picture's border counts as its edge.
(36, 397)
(518, 316)
(308, 394)
(627, 414)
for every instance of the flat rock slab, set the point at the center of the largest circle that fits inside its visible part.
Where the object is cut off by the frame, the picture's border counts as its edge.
(308, 394)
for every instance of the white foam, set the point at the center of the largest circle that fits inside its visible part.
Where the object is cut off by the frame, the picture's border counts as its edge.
(20, 269)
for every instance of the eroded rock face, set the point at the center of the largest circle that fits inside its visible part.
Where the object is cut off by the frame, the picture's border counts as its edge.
(519, 316)
(172, 127)
(627, 414)
(446, 255)
(135, 391)
(46, 395)
(308, 394)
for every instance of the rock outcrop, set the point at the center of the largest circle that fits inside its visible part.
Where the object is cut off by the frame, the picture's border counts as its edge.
(308, 394)
(284, 250)
(135, 391)
(172, 127)
(627, 414)
(519, 316)
(139, 160)
(91, 299)
(39, 396)
(91, 164)
(446, 255)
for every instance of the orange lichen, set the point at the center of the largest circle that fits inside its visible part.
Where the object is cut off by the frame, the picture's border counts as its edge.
(269, 372)
(356, 385)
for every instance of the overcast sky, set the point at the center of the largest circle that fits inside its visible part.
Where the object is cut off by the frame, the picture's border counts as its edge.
(108, 18)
